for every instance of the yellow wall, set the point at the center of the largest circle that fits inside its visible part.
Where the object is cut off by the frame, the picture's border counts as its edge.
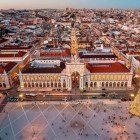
(42, 78)
(109, 77)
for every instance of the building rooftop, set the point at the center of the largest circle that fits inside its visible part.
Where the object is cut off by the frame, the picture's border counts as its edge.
(96, 55)
(12, 54)
(41, 68)
(7, 67)
(137, 58)
(107, 68)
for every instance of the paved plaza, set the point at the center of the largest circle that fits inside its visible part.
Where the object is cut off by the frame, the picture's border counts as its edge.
(79, 120)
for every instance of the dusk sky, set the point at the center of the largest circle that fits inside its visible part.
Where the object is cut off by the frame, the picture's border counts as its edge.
(31, 4)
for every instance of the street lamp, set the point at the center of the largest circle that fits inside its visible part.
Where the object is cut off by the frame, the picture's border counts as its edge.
(132, 95)
(21, 95)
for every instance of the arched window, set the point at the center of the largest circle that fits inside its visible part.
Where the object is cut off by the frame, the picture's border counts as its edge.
(118, 84)
(114, 84)
(125, 84)
(47, 84)
(4, 85)
(40, 85)
(122, 84)
(25, 85)
(64, 84)
(55, 85)
(103, 84)
(44, 85)
(59, 84)
(106, 84)
(91, 84)
(95, 84)
(86, 84)
(29, 85)
(36, 84)
(110, 84)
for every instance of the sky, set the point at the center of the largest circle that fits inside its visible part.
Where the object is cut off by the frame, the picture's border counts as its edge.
(33, 4)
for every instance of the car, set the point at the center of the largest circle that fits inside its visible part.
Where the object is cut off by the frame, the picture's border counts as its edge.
(123, 99)
(13, 99)
(94, 97)
(64, 99)
(103, 94)
(130, 99)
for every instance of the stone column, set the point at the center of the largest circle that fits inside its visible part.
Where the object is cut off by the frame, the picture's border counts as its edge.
(49, 84)
(98, 84)
(53, 84)
(21, 80)
(61, 83)
(31, 84)
(7, 82)
(2, 85)
(129, 83)
(69, 84)
(81, 83)
(66, 82)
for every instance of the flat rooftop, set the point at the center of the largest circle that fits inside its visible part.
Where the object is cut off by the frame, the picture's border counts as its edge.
(38, 67)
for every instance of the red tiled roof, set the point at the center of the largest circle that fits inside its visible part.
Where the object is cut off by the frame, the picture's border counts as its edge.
(3, 40)
(107, 68)
(65, 53)
(15, 47)
(19, 54)
(137, 58)
(7, 67)
(134, 53)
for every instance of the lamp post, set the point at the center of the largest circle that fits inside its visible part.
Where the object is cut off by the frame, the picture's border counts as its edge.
(21, 97)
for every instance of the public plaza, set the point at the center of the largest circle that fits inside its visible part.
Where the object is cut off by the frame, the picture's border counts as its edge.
(77, 120)
(69, 74)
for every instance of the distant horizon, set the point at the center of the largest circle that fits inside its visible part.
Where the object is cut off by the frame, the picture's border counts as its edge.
(75, 4)
(72, 8)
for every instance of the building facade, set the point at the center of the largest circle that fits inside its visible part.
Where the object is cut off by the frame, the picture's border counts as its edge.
(7, 74)
(54, 74)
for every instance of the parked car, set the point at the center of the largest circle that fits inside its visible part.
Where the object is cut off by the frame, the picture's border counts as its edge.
(123, 99)
(94, 97)
(13, 99)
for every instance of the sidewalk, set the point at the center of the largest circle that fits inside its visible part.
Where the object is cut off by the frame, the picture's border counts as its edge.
(48, 91)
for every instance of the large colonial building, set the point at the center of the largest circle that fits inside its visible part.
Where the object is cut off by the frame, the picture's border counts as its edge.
(55, 74)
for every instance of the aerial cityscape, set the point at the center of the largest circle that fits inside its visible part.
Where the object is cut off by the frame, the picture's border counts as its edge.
(70, 70)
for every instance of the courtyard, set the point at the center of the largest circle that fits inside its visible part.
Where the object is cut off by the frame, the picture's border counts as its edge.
(76, 120)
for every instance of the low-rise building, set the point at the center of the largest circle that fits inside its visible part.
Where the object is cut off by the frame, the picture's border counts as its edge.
(8, 72)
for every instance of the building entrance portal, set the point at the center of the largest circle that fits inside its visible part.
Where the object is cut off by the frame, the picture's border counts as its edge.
(75, 79)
